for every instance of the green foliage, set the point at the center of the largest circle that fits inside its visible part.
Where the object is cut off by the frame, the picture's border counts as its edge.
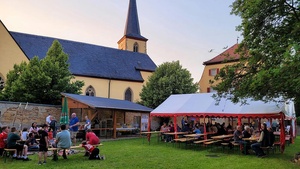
(169, 78)
(270, 56)
(41, 81)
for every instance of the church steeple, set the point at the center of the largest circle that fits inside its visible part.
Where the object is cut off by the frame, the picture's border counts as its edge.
(132, 39)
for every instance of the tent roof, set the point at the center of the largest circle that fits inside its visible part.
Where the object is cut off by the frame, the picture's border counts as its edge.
(106, 103)
(203, 104)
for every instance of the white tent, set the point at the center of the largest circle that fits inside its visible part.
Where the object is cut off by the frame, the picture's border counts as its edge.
(204, 105)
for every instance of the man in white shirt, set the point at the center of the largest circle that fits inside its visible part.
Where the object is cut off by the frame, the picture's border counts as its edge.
(48, 120)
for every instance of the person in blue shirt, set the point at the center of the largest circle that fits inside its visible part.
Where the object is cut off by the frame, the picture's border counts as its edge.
(73, 127)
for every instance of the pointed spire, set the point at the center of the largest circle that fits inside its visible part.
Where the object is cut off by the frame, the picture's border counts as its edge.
(132, 27)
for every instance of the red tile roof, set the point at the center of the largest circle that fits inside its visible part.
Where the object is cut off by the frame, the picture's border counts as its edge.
(227, 55)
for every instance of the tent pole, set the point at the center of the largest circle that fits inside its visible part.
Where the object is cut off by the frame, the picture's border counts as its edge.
(204, 127)
(282, 133)
(239, 121)
(149, 128)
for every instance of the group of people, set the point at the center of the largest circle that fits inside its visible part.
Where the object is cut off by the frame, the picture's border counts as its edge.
(266, 138)
(40, 139)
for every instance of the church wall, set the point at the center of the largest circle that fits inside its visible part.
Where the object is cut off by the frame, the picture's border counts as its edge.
(117, 87)
(10, 53)
(100, 85)
(146, 76)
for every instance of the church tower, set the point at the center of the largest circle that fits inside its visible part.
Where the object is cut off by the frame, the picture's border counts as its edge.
(132, 39)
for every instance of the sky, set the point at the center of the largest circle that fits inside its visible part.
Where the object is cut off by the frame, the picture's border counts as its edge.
(191, 31)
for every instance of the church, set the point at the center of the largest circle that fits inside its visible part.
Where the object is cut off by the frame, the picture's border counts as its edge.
(106, 72)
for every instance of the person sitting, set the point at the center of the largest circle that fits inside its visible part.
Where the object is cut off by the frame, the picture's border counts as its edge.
(63, 140)
(91, 150)
(237, 136)
(247, 132)
(164, 129)
(51, 137)
(32, 143)
(263, 141)
(33, 129)
(12, 139)
(24, 135)
(3, 138)
(271, 136)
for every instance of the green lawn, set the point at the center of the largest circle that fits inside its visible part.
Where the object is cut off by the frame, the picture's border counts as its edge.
(133, 153)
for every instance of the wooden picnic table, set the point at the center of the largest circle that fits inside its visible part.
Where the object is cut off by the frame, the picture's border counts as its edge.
(221, 137)
(251, 139)
(194, 135)
(175, 133)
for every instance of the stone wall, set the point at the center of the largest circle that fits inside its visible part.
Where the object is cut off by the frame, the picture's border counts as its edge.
(21, 115)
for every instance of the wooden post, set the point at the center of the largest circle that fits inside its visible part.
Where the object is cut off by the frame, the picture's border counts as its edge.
(115, 124)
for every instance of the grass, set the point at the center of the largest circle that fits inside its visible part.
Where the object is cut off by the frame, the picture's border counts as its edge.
(135, 154)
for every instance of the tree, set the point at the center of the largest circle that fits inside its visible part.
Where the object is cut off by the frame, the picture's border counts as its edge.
(169, 78)
(42, 81)
(270, 59)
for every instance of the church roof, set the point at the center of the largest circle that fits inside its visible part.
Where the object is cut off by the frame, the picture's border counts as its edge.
(107, 103)
(132, 27)
(88, 59)
(228, 55)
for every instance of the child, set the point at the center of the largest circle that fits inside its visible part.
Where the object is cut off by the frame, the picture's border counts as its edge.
(24, 135)
(93, 151)
(50, 138)
(32, 143)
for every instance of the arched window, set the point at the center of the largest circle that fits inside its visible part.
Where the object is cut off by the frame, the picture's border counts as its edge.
(128, 94)
(90, 91)
(136, 47)
(1, 82)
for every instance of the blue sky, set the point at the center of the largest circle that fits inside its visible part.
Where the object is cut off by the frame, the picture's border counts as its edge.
(184, 30)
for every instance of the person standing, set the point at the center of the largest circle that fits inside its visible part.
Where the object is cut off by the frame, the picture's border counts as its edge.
(43, 146)
(87, 123)
(48, 120)
(74, 123)
(53, 125)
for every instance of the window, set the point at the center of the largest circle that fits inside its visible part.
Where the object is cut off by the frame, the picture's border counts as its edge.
(211, 90)
(128, 94)
(1, 82)
(90, 91)
(213, 72)
(135, 47)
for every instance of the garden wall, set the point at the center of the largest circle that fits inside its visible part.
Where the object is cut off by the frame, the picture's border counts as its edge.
(22, 115)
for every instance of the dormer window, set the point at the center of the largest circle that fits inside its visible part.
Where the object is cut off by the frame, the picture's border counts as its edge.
(135, 47)
(90, 91)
